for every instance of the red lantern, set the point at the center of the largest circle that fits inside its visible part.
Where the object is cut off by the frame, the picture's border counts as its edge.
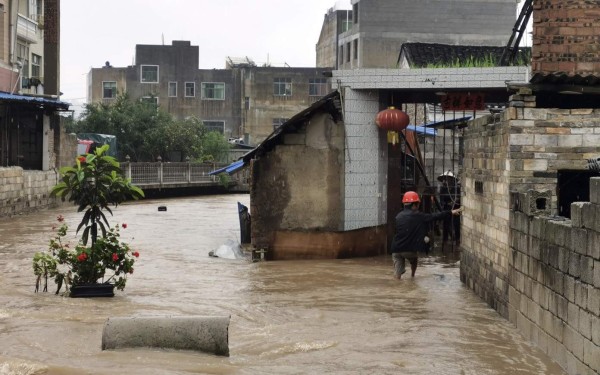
(393, 120)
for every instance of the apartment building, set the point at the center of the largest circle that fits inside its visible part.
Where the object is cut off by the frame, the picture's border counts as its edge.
(243, 100)
(371, 34)
(29, 83)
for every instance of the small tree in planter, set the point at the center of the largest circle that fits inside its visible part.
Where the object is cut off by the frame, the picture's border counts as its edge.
(94, 184)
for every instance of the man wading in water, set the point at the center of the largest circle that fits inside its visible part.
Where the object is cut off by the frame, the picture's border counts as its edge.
(411, 228)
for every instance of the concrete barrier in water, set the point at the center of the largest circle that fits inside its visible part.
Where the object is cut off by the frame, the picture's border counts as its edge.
(207, 334)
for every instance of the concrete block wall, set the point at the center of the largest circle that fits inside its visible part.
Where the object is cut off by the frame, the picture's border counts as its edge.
(25, 191)
(554, 277)
(485, 184)
(365, 172)
(565, 37)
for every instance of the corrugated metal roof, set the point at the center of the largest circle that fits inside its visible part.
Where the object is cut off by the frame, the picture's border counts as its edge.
(37, 100)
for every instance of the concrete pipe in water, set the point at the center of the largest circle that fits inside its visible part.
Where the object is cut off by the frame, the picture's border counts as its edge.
(207, 334)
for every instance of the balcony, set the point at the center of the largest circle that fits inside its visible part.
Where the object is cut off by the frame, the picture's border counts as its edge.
(27, 29)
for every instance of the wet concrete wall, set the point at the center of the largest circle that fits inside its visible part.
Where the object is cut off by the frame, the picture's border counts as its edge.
(298, 186)
(540, 272)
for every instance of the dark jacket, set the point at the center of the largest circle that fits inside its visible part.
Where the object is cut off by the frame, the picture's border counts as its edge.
(411, 229)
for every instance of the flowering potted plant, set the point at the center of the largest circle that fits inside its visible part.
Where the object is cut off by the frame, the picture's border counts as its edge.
(94, 183)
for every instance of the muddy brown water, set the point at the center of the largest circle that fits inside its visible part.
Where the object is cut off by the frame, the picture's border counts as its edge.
(290, 317)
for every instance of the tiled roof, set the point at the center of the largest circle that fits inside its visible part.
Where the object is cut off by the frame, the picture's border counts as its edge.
(562, 78)
(421, 55)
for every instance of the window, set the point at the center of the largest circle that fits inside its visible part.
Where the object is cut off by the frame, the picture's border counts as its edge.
(341, 58)
(282, 86)
(109, 90)
(36, 63)
(346, 25)
(149, 74)
(151, 100)
(190, 89)
(277, 122)
(172, 89)
(348, 52)
(34, 8)
(214, 126)
(213, 90)
(23, 58)
(355, 49)
(317, 86)
(355, 13)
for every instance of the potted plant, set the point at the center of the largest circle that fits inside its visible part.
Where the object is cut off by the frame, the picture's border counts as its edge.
(94, 184)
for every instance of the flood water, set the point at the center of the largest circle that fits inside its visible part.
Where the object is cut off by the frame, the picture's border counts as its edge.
(288, 317)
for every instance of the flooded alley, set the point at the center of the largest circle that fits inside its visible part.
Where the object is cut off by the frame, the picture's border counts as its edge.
(287, 317)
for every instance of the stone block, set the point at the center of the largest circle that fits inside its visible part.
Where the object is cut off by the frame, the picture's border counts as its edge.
(587, 269)
(589, 215)
(569, 285)
(594, 301)
(579, 239)
(563, 259)
(596, 274)
(577, 214)
(585, 324)
(573, 341)
(596, 330)
(591, 355)
(574, 264)
(593, 244)
(562, 305)
(581, 294)
(595, 190)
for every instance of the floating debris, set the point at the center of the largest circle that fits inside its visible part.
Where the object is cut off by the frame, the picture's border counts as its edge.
(162, 208)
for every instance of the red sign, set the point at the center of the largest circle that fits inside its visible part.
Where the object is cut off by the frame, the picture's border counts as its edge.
(463, 101)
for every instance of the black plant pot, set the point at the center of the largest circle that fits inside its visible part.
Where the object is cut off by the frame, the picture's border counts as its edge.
(92, 290)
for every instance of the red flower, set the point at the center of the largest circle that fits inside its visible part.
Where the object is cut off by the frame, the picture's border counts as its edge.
(124, 225)
(81, 159)
(135, 254)
(82, 257)
(60, 218)
(115, 257)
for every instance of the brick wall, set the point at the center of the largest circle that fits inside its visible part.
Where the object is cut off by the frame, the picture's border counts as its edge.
(554, 292)
(565, 36)
(25, 191)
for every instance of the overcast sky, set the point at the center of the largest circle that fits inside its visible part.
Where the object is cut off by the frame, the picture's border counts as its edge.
(278, 31)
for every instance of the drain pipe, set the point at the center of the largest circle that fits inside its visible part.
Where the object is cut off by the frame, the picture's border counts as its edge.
(207, 334)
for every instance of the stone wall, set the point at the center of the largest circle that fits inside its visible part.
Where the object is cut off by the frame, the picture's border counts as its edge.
(554, 277)
(538, 270)
(25, 191)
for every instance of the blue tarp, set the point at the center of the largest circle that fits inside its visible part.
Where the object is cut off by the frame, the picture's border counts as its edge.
(33, 100)
(421, 130)
(230, 169)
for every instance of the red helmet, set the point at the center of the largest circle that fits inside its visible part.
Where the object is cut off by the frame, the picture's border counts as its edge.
(410, 197)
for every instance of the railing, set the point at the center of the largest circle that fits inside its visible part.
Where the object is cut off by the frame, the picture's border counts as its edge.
(181, 174)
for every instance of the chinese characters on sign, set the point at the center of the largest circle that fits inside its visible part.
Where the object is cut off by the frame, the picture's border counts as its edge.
(463, 102)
